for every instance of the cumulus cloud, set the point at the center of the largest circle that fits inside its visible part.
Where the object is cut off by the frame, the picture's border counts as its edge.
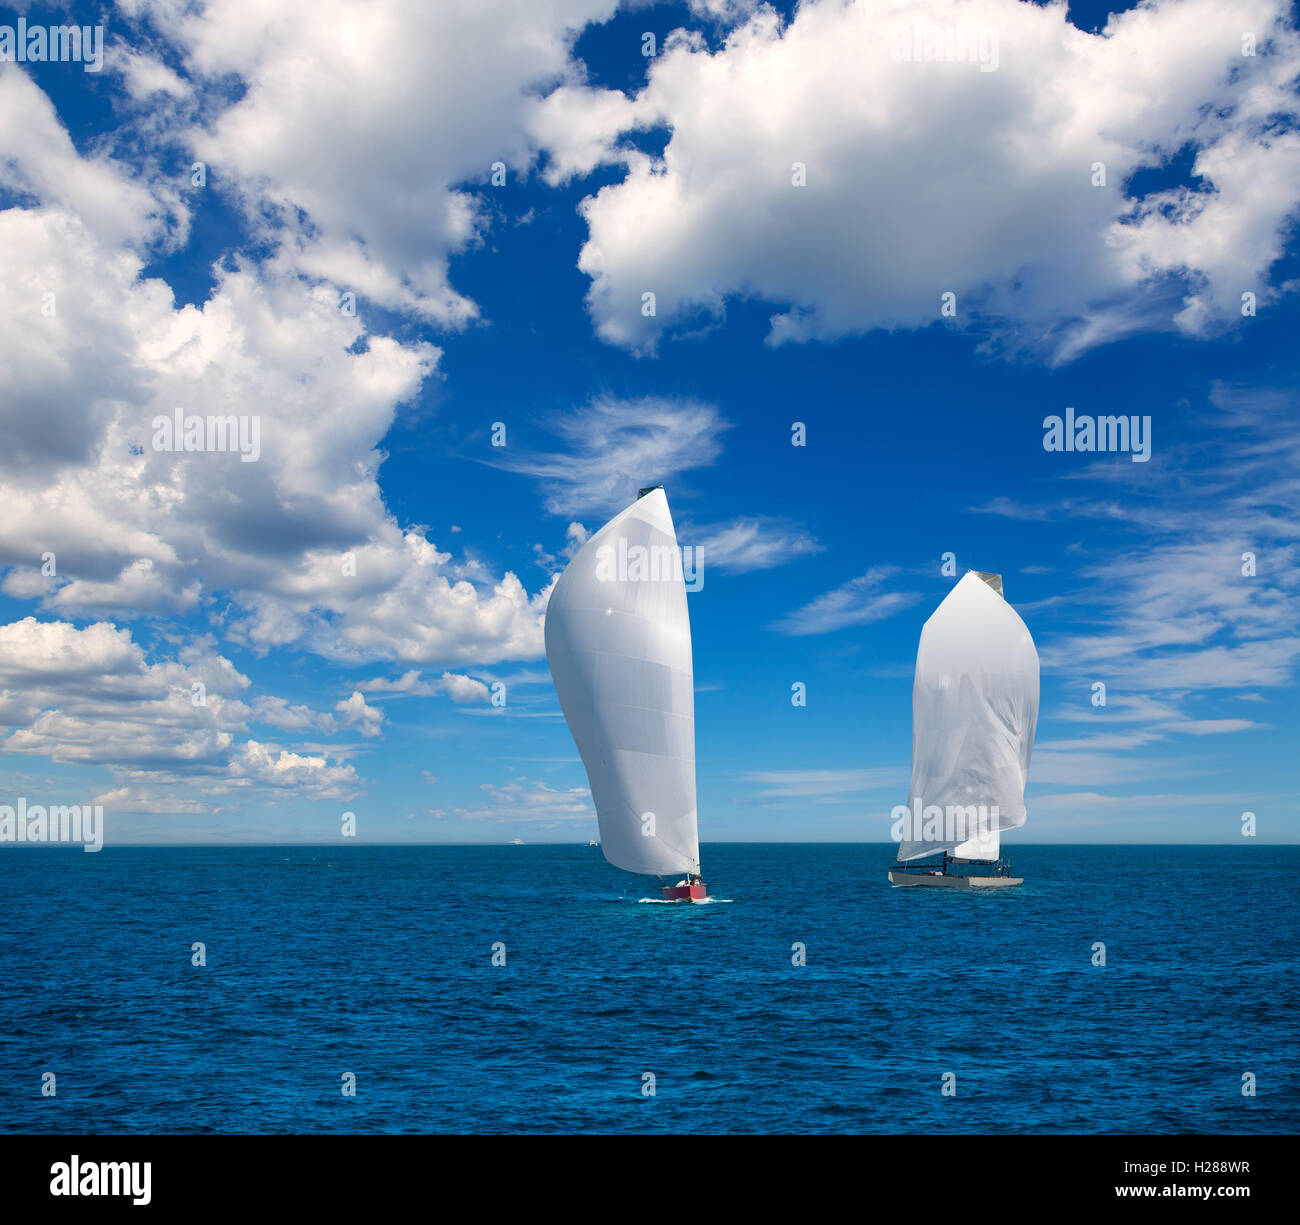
(924, 175)
(464, 689)
(300, 540)
(461, 689)
(311, 774)
(171, 731)
(363, 143)
(38, 159)
(281, 713)
(354, 712)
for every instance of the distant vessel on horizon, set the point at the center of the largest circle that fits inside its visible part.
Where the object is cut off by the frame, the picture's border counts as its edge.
(618, 643)
(974, 712)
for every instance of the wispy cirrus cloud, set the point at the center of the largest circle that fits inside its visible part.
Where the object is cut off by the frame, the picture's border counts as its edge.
(1143, 817)
(610, 448)
(1204, 592)
(745, 544)
(1186, 605)
(860, 601)
(824, 784)
(526, 800)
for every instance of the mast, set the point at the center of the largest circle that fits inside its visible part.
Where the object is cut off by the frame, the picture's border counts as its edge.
(618, 642)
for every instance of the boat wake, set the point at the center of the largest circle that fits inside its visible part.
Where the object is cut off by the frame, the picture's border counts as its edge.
(658, 901)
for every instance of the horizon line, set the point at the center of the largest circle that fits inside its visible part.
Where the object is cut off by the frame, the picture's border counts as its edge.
(587, 845)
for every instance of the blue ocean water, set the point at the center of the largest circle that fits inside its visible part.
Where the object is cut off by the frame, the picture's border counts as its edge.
(377, 961)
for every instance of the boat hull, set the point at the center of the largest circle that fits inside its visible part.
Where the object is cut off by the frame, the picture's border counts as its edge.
(685, 893)
(939, 881)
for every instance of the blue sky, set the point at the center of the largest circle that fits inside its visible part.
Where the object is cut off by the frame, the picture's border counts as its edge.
(521, 304)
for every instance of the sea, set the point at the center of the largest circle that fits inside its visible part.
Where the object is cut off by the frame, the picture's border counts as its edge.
(523, 989)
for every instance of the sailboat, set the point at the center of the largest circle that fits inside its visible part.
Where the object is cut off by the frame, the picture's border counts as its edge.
(974, 711)
(618, 642)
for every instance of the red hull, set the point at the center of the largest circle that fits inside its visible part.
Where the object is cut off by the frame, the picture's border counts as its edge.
(685, 893)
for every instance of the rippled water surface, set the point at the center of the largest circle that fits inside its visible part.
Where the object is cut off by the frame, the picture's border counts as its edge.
(377, 961)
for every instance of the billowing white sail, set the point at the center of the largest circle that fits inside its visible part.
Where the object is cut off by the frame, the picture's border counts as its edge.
(974, 710)
(618, 641)
(987, 844)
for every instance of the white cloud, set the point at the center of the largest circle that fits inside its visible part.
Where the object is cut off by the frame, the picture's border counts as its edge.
(270, 766)
(723, 10)
(1084, 802)
(364, 136)
(928, 177)
(354, 712)
(409, 684)
(279, 712)
(142, 797)
(133, 529)
(615, 447)
(1096, 766)
(174, 734)
(1105, 756)
(464, 689)
(575, 536)
(1172, 609)
(38, 158)
(460, 688)
(140, 586)
(526, 800)
(54, 651)
(1168, 618)
(144, 75)
(825, 784)
(748, 543)
(338, 147)
(860, 601)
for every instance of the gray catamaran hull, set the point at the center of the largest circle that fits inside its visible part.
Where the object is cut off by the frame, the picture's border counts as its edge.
(955, 882)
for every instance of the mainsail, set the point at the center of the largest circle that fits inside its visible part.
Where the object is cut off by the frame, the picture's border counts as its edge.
(974, 710)
(618, 641)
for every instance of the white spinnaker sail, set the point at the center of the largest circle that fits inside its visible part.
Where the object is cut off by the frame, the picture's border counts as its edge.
(974, 710)
(618, 641)
(987, 844)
